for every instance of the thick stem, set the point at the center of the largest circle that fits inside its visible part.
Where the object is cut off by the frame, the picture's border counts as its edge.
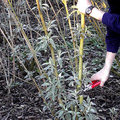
(80, 97)
(81, 49)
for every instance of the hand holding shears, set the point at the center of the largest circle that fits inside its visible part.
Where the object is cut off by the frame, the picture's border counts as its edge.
(92, 85)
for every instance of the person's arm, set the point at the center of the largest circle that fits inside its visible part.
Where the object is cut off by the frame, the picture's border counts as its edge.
(82, 5)
(110, 20)
(97, 14)
(103, 74)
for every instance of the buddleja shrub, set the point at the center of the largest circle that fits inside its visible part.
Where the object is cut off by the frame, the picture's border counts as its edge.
(47, 48)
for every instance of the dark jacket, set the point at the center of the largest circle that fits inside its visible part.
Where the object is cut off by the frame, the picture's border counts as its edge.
(112, 21)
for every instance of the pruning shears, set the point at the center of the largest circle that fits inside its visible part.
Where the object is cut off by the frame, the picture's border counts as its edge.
(92, 85)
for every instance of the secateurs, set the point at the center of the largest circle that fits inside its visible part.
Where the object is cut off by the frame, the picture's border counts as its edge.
(92, 85)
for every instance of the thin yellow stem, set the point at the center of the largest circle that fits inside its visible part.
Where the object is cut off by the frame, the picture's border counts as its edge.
(37, 86)
(18, 24)
(46, 33)
(70, 26)
(51, 48)
(98, 27)
(114, 71)
(41, 17)
(33, 12)
(117, 60)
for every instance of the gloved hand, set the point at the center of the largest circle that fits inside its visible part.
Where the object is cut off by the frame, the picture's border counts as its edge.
(82, 5)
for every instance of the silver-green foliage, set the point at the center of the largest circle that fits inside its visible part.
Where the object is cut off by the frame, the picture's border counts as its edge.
(58, 88)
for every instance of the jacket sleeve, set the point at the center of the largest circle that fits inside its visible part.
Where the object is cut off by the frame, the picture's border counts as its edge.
(112, 21)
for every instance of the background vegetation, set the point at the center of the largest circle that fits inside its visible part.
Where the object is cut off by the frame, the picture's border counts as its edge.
(43, 69)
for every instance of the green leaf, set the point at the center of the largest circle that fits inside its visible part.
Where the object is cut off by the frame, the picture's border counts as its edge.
(71, 83)
(81, 118)
(93, 110)
(92, 117)
(74, 117)
(88, 99)
(44, 45)
(60, 114)
(68, 117)
(52, 43)
(60, 62)
(48, 95)
(87, 118)
(45, 84)
(44, 108)
(53, 93)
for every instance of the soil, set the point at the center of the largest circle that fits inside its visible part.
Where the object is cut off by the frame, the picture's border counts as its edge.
(23, 102)
(107, 98)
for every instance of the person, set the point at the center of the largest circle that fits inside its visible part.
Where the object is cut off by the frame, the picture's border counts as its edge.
(112, 21)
